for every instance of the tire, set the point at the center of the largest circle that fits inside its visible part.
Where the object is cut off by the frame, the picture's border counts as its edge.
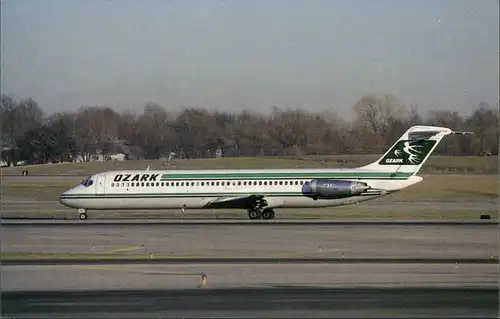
(267, 214)
(254, 214)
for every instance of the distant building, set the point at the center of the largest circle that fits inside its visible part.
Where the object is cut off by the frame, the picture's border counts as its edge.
(116, 151)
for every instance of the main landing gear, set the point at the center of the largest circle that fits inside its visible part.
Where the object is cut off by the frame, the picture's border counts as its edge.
(256, 213)
(82, 214)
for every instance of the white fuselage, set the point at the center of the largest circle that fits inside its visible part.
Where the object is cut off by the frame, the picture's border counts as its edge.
(197, 189)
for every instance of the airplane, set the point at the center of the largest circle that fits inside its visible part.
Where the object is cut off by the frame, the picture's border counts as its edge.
(259, 191)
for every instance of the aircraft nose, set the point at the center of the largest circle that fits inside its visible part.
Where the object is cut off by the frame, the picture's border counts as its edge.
(64, 197)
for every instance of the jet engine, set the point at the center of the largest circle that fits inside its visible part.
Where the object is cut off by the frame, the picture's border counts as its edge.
(332, 189)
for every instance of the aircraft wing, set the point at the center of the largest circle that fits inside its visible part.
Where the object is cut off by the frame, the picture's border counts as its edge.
(245, 201)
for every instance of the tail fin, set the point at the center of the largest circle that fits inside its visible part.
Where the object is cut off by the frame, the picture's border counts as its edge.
(412, 149)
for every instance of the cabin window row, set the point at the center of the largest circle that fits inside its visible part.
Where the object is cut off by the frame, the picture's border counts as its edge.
(212, 183)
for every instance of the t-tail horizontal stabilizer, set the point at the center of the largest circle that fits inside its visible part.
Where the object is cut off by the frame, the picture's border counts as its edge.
(462, 133)
(412, 149)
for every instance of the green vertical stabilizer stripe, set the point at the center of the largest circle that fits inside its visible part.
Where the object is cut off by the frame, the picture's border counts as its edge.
(408, 152)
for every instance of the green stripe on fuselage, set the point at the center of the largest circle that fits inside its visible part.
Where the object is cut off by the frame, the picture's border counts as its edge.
(360, 175)
(174, 195)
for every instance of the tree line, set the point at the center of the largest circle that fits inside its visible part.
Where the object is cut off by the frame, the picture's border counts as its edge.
(28, 134)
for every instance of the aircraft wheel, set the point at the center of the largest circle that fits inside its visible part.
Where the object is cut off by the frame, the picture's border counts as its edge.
(82, 214)
(254, 214)
(268, 214)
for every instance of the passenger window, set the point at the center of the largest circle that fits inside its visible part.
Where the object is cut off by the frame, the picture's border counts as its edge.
(147, 184)
(132, 184)
(142, 184)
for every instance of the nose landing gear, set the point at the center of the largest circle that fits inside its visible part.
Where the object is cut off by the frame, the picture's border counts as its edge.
(82, 214)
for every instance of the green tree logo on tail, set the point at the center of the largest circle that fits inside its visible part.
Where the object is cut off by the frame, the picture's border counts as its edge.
(408, 152)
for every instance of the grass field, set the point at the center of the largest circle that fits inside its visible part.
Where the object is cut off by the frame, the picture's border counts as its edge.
(436, 164)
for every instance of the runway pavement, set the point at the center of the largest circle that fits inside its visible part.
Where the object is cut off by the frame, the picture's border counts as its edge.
(314, 290)
(21, 210)
(362, 290)
(292, 302)
(270, 240)
(12, 221)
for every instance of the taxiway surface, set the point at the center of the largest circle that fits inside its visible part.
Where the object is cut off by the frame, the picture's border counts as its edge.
(265, 240)
(13, 221)
(363, 290)
(227, 275)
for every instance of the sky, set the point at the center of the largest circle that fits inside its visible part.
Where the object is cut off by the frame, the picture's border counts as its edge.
(253, 54)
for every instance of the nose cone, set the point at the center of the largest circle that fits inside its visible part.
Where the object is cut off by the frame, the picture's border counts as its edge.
(66, 199)
(63, 198)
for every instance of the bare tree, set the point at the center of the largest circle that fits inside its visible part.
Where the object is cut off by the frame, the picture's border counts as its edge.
(152, 129)
(198, 132)
(484, 122)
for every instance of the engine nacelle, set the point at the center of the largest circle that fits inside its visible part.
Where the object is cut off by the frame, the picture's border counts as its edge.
(333, 189)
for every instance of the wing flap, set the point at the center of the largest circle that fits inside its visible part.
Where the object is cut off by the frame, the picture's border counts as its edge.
(246, 202)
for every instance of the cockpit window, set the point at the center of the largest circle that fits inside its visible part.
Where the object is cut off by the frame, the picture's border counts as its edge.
(87, 182)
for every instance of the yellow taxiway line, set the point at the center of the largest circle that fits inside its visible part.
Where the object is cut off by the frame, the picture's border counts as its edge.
(119, 250)
(140, 271)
